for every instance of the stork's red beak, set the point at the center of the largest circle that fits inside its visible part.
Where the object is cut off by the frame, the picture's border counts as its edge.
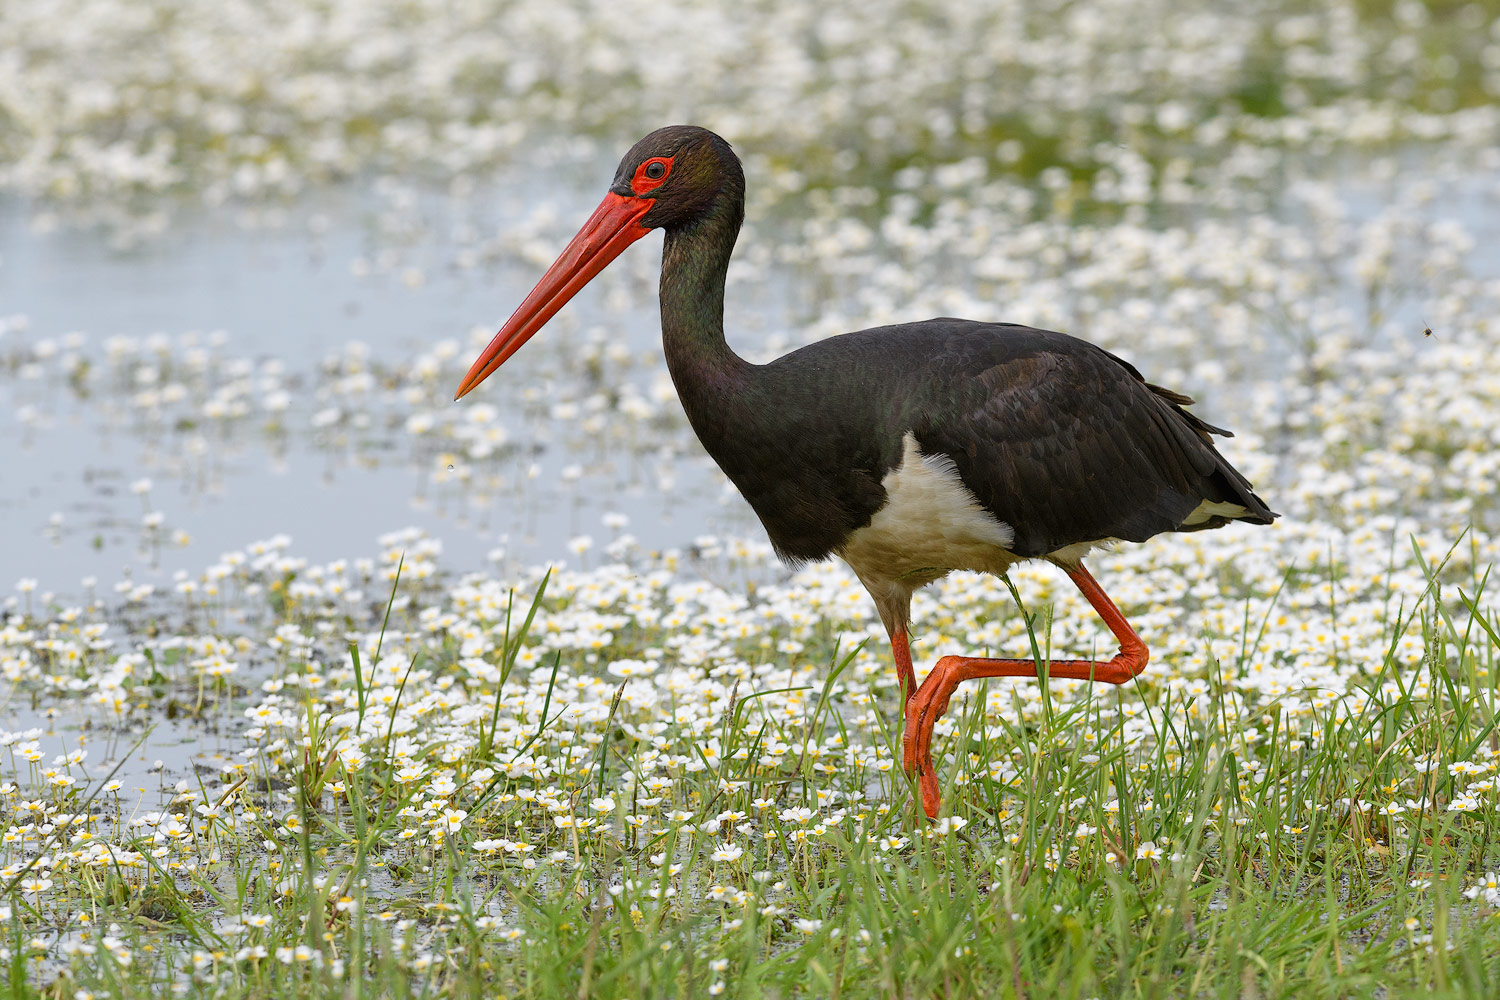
(614, 225)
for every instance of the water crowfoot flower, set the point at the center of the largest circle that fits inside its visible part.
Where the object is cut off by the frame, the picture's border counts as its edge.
(1327, 272)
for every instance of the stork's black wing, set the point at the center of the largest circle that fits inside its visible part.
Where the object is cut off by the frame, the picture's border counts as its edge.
(1067, 443)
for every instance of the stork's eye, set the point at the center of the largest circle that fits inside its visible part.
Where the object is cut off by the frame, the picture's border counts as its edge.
(651, 174)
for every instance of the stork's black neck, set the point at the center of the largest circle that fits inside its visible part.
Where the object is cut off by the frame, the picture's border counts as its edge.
(784, 442)
(694, 265)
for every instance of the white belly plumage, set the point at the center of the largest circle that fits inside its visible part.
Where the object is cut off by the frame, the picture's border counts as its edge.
(930, 524)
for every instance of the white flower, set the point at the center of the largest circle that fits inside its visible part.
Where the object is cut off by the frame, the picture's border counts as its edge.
(633, 668)
(1489, 889)
(173, 829)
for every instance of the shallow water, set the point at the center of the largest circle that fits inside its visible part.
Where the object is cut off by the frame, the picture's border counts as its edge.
(282, 291)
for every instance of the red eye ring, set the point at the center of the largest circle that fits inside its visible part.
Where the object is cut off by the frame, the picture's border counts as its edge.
(651, 174)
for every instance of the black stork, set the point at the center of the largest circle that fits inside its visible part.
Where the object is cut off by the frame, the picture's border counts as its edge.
(909, 451)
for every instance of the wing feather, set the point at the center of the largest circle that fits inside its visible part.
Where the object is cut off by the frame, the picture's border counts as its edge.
(1067, 443)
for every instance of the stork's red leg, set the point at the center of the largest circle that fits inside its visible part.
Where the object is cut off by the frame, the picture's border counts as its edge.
(901, 650)
(924, 708)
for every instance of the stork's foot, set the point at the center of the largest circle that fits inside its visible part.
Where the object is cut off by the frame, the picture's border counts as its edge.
(930, 701)
(923, 709)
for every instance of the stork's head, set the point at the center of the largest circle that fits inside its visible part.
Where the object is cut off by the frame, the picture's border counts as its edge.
(670, 179)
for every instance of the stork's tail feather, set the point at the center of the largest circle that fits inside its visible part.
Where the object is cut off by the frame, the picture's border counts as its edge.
(1235, 499)
(1180, 401)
